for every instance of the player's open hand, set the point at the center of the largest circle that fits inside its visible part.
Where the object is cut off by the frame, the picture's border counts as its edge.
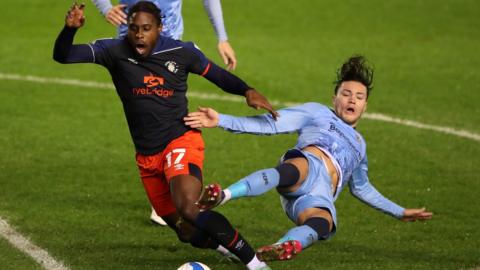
(416, 214)
(116, 15)
(75, 17)
(227, 54)
(203, 118)
(258, 101)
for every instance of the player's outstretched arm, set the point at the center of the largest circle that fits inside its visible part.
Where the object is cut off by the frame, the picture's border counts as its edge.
(292, 119)
(64, 51)
(232, 84)
(416, 214)
(203, 118)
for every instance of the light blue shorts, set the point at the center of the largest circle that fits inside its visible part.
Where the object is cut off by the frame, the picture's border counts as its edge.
(315, 192)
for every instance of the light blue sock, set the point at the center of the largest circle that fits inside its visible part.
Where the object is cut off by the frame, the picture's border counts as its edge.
(255, 184)
(305, 234)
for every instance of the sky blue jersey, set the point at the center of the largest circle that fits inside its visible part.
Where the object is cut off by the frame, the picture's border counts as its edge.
(318, 125)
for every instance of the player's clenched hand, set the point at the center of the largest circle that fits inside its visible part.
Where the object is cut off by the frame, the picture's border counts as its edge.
(257, 101)
(203, 118)
(416, 214)
(116, 15)
(75, 17)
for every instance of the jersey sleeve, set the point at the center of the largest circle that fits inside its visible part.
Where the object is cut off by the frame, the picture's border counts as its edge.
(198, 63)
(66, 52)
(103, 6)
(101, 52)
(215, 14)
(363, 190)
(291, 119)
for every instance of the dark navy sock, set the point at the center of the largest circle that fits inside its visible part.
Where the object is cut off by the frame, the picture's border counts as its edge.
(201, 239)
(218, 227)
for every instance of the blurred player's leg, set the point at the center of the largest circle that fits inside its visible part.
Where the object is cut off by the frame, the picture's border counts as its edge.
(255, 184)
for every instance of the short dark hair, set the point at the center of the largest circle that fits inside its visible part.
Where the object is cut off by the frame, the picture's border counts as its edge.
(146, 6)
(356, 68)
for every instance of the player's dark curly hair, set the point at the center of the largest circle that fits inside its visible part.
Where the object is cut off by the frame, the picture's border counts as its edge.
(356, 68)
(146, 6)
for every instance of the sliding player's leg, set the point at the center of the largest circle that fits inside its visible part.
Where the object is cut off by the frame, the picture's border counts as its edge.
(287, 177)
(311, 208)
(316, 225)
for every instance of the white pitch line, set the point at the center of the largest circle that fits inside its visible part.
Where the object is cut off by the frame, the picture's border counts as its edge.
(372, 116)
(23, 244)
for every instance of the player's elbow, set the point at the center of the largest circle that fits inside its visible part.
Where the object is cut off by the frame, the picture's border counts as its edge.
(60, 55)
(57, 57)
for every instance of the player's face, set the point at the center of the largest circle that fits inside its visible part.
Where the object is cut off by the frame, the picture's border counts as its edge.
(350, 101)
(143, 32)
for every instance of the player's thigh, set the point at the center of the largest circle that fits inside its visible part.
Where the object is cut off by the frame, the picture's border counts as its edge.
(182, 166)
(185, 191)
(158, 193)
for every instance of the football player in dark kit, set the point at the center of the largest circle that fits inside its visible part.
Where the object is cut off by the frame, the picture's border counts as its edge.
(150, 75)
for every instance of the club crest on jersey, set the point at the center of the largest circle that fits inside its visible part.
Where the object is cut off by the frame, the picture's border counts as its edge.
(172, 66)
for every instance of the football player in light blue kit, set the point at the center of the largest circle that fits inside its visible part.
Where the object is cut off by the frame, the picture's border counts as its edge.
(330, 154)
(172, 21)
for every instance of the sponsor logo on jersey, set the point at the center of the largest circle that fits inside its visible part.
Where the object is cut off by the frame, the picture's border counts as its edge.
(172, 66)
(154, 85)
(340, 134)
(153, 81)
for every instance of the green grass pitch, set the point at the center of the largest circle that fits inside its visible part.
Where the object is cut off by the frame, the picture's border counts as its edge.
(68, 179)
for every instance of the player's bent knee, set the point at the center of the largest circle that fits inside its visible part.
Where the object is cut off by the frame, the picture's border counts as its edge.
(184, 238)
(311, 213)
(289, 174)
(301, 164)
(189, 213)
(320, 225)
(184, 231)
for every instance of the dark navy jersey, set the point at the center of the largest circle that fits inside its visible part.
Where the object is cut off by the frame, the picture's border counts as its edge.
(152, 89)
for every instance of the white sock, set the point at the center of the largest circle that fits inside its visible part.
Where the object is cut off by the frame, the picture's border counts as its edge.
(255, 263)
(227, 196)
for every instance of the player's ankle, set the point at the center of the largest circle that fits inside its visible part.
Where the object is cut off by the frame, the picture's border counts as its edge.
(225, 196)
